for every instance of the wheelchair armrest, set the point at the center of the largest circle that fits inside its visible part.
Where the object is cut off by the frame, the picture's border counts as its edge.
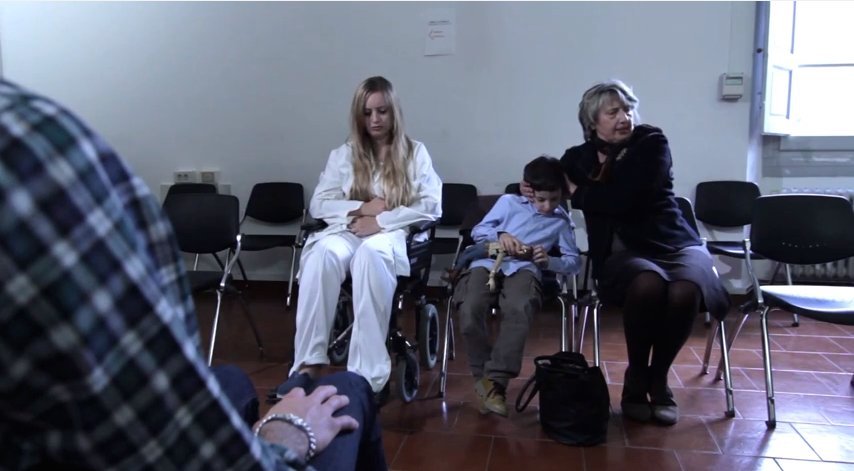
(420, 228)
(308, 228)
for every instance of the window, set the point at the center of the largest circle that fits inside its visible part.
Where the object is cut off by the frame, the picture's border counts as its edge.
(809, 68)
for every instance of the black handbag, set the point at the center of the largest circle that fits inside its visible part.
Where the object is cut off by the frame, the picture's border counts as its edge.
(574, 400)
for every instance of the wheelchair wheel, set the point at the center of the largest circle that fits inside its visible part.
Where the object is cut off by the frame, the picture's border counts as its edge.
(428, 335)
(338, 351)
(408, 376)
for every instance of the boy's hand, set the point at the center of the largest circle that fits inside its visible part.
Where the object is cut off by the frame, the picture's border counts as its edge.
(540, 256)
(512, 246)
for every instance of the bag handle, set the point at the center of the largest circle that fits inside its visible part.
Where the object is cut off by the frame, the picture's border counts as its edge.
(561, 362)
(532, 380)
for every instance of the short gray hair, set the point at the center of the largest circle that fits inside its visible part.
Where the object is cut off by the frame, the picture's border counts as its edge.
(595, 97)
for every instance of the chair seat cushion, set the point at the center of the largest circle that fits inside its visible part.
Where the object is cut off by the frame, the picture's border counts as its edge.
(833, 304)
(257, 242)
(730, 248)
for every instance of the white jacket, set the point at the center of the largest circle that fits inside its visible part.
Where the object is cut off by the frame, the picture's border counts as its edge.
(329, 201)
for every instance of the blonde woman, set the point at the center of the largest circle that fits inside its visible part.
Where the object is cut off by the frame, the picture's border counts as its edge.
(373, 188)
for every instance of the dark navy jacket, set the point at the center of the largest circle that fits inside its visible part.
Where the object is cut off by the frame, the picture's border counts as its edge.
(636, 201)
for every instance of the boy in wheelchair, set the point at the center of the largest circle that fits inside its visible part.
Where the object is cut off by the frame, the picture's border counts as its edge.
(520, 233)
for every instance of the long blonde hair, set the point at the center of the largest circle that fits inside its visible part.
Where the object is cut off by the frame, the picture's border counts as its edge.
(395, 169)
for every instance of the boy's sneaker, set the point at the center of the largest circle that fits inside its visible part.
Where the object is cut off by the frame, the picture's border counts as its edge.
(493, 397)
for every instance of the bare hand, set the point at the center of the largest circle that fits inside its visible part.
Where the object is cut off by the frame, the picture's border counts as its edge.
(373, 207)
(316, 409)
(540, 256)
(569, 185)
(526, 190)
(364, 226)
(513, 246)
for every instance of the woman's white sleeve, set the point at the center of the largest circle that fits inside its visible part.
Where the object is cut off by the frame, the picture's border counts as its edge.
(329, 202)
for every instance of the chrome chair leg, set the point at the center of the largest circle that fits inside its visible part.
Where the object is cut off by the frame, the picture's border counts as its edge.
(719, 373)
(583, 328)
(443, 373)
(563, 341)
(710, 341)
(572, 326)
(291, 277)
(596, 334)
(215, 324)
(730, 403)
(766, 361)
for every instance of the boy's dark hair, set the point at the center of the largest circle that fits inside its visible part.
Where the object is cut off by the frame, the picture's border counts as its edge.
(545, 174)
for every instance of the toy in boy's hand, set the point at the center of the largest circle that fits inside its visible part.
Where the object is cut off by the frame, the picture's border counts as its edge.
(496, 251)
(492, 250)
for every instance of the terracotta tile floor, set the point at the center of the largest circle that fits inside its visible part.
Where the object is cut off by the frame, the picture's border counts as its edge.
(815, 402)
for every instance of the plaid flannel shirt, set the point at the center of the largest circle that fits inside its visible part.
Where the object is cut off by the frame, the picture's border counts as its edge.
(100, 362)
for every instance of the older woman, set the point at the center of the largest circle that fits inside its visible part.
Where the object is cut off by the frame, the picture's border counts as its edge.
(646, 258)
(373, 188)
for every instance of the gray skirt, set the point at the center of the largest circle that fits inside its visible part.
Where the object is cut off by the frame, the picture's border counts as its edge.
(692, 264)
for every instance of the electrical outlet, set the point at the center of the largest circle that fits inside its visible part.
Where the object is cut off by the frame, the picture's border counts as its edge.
(209, 176)
(186, 176)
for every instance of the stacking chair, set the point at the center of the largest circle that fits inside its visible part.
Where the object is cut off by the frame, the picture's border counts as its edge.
(554, 287)
(728, 204)
(181, 188)
(800, 229)
(275, 211)
(593, 301)
(210, 223)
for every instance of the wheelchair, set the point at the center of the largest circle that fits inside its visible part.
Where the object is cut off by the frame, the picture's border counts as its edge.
(406, 371)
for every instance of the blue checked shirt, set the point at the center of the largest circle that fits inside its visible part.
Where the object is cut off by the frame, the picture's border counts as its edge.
(100, 364)
(518, 217)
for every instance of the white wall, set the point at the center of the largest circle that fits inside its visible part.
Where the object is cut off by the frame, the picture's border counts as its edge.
(262, 90)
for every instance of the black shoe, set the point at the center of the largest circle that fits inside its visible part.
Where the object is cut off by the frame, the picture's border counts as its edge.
(634, 402)
(664, 408)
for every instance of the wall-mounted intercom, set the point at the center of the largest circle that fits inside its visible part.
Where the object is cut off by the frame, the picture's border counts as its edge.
(732, 86)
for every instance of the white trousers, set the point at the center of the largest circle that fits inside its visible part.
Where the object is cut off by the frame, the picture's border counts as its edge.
(370, 262)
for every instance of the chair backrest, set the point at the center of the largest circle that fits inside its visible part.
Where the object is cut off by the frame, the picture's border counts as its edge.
(180, 188)
(276, 202)
(456, 199)
(726, 203)
(513, 189)
(688, 212)
(474, 215)
(203, 222)
(803, 229)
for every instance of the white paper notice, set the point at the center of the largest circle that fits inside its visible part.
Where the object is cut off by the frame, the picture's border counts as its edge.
(441, 34)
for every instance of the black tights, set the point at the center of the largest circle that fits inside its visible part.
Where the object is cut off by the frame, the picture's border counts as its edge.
(658, 317)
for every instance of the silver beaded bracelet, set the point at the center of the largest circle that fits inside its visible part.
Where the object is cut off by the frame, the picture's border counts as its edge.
(297, 422)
